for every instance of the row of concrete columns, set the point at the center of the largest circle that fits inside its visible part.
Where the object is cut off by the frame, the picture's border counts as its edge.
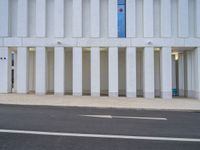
(22, 23)
(59, 72)
(188, 75)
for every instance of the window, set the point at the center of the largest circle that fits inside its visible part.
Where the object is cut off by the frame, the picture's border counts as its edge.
(121, 18)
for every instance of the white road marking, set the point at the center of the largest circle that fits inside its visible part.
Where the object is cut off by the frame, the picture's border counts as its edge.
(100, 136)
(124, 117)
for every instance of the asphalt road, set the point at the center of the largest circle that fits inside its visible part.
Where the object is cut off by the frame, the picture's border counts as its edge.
(65, 128)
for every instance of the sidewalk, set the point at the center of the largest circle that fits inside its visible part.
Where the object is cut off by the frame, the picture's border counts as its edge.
(181, 104)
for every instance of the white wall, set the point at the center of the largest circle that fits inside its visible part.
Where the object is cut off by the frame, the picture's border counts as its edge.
(103, 18)
(32, 18)
(157, 15)
(68, 14)
(86, 18)
(139, 18)
(174, 16)
(50, 18)
(13, 18)
(68, 18)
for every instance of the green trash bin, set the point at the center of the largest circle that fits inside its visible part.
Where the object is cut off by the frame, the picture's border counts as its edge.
(174, 92)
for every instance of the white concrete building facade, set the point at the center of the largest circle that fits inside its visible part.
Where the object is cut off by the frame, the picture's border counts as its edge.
(132, 48)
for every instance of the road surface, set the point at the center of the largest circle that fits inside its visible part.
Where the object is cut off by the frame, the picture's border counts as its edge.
(73, 128)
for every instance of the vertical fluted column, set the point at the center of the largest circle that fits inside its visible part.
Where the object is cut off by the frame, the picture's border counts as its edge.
(131, 71)
(95, 71)
(130, 18)
(166, 73)
(41, 18)
(4, 18)
(41, 71)
(197, 92)
(148, 18)
(5, 68)
(59, 18)
(112, 18)
(77, 18)
(22, 70)
(22, 18)
(166, 18)
(113, 71)
(77, 71)
(197, 10)
(183, 18)
(95, 18)
(148, 72)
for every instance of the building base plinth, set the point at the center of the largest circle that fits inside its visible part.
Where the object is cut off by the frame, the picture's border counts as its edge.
(113, 94)
(149, 95)
(166, 95)
(131, 94)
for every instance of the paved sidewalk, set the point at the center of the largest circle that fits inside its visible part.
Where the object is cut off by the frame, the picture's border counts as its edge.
(102, 102)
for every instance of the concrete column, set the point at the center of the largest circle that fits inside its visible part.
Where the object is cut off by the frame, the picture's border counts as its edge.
(22, 69)
(4, 18)
(113, 71)
(95, 18)
(5, 70)
(193, 72)
(166, 72)
(59, 71)
(22, 18)
(148, 72)
(197, 14)
(189, 74)
(59, 18)
(95, 71)
(41, 18)
(166, 18)
(77, 71)
(148, 18)
(131, 72)
(197, 92)
(41, 71)
(181, 75)
(77, 18)
(183, 18)
(130, 18)
(112, 18)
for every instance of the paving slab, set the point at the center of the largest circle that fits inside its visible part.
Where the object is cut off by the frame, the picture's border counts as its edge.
(180, 104)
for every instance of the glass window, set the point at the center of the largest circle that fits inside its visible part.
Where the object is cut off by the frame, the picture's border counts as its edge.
(121, 18)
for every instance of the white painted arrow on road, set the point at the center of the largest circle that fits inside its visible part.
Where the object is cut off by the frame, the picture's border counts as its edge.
(124, 117)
